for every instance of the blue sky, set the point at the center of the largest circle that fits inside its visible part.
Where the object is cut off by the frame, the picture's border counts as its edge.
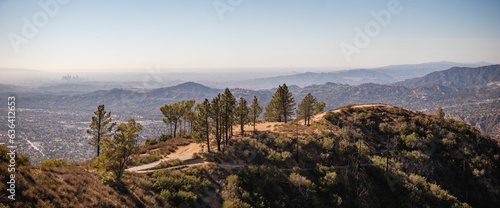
(117, 35)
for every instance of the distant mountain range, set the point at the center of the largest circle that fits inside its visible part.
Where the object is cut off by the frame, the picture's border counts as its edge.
(352, 77)
(382, 75)
(458, 77)
(409, 71)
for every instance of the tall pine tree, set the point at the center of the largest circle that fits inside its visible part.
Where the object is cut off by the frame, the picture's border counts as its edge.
(228, 106)
(281, 106)
(202, 122)
(255, 111)
(242, 114)
(273, 109)
(215, 114)
(306, 108)
(100, 127)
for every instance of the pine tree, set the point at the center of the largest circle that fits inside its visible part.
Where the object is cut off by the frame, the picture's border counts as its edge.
(440, 114)
(228, 107)
(202, 122)
(242, 112)
(175, 112)
(170, 117)
(216, 117)
(287, 103)
(319, 107)
(255, 111)
(306, 108)
(188, 113)
(100, 127)
(281, 106)
(273, 110)
(190, 118)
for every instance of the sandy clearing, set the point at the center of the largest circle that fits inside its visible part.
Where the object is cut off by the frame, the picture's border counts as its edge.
(274, 126)
(259, 126)
(182, 153)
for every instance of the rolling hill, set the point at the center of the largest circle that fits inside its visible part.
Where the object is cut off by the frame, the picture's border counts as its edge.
(355, 156)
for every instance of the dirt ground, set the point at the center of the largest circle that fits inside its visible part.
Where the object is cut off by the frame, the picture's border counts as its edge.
(182, 153)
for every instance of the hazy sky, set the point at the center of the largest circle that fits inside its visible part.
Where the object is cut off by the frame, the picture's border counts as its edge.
(97, 35)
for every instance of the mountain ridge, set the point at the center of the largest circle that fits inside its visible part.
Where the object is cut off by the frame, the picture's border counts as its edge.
(379, 75)
(458, 77)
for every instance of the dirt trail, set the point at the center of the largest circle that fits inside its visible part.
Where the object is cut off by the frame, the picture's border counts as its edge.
(182, 153)
(274, 126)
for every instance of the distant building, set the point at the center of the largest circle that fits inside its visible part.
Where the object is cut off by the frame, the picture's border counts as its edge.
(74, 78)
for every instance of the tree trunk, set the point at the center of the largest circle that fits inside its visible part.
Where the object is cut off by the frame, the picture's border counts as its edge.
(254, 126)
(192, 127)
(242, 127)
(171, 133)
(180, 128)
(175, 129)
(99, 134)
(231, 129)
(217, 133)
(208, 135)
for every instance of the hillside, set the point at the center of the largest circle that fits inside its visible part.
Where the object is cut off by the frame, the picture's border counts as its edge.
(458, 77)
(374, 156)
(477, 106)
(355, 156)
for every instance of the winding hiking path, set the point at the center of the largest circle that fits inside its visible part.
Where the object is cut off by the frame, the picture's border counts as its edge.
(182, 153)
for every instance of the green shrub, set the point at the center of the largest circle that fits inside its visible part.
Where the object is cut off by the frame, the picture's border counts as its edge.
(450, 139)
(153, 157)
(20, 159)
(327, 143)
(151, 142)
(175, 162)
(180, 187)
(410, 141)
(164, 137)
(235, 202)
(329, 179)
(56, 163)
(186, 196)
